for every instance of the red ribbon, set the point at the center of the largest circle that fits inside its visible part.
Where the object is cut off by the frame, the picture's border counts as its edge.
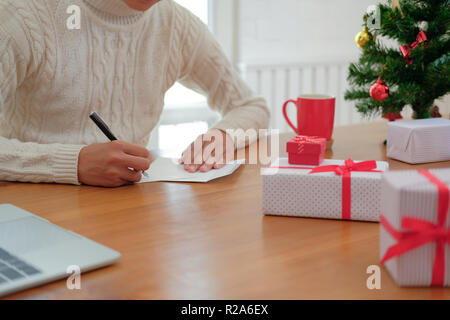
(345, 172)
(420, 232)
(406, 49)
(306, 139)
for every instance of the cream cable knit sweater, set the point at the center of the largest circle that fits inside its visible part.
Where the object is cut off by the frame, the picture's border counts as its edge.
(120, 63)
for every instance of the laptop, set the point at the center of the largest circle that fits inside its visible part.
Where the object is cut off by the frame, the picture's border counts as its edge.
(34, 251)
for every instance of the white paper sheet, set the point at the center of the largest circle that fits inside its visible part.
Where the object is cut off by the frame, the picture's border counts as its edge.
(167, 169)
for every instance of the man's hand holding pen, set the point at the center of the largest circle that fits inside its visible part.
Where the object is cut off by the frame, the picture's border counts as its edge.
(108, 164)
(118, 163)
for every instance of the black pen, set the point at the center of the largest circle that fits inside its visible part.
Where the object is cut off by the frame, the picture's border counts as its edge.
(105, 129)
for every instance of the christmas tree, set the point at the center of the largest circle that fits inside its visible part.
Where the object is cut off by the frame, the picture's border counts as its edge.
(416, 71)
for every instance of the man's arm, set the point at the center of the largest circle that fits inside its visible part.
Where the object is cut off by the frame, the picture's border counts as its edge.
(207, 70)
(19, 161)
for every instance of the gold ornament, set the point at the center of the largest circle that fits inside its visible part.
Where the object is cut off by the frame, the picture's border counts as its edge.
(362, 37)
(395, 4)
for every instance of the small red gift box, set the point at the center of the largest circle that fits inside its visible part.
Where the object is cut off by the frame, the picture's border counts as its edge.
(306, 150)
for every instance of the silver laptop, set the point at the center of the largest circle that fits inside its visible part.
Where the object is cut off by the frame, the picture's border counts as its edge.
(34, 251)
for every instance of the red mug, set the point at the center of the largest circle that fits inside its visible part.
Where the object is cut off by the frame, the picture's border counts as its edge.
(315, 115)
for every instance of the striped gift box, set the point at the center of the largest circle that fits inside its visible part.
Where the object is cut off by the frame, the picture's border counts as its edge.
(419, 141)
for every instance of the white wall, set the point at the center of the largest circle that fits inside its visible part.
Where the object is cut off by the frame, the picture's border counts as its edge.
(275, 32)
(225, 26)
(287, 31)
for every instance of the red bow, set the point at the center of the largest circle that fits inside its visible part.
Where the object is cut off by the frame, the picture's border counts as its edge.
(345, 172)
(406, 49)
(306, 139)
(420, 232)
(349, 166)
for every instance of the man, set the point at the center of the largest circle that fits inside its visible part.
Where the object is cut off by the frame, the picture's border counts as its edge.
(120, 62)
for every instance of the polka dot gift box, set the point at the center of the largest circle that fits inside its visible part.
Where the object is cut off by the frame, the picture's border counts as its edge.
(337, 189)
(415, 227)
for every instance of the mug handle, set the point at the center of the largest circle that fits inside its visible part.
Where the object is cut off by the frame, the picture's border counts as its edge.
(286, 116)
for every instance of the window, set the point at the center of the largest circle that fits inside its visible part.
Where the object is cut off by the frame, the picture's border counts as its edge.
(198, 7)
(176, 137)
(179, 96)
(186, 114)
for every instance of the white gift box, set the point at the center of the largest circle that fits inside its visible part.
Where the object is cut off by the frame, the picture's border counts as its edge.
(291, 190)
(409, 214)
(419, 141)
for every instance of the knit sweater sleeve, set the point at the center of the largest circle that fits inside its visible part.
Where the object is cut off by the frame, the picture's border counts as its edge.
(206, 69)
(19, 55)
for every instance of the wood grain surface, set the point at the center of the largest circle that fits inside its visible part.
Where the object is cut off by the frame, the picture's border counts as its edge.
(211, 241)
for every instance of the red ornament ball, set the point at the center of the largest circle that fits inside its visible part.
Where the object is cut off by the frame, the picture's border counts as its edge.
(391, 116)
(379, 91)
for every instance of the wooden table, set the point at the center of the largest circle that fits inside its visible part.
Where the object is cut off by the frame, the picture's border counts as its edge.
(211, 241)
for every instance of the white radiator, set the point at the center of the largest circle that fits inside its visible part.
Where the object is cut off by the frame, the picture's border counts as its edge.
(279, 82)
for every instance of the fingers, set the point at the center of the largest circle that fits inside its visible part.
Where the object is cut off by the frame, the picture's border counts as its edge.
(115, 177)
(218, 165)
(187, 155)
(210, 161)
(192, 157)
(137, 163)
(192, 167)
(209, 151)
(207, 165)
(196, 156)
(129, 155)
(130, 175)
(132, 149)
